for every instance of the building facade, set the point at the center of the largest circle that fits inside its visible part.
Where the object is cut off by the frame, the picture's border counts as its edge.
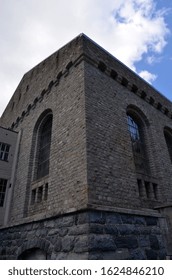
(92, 176)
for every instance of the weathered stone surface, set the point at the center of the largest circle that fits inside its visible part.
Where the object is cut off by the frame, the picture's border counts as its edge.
(151, 254)
(127, 229)
(79, 230)
(101, 243)
(154, 243)
(127, 219)
(63, 231)
(67, 243)
(144, 241)
(97, 228)
(137, 254)
(129, 242)
(112, 218)
(103, 236)
(139, 220)
(81, 244)
(58, 245)
(68, 221)
(111, 229)
(83, 218)
(97, 217)
(162, 254)
(151, 221)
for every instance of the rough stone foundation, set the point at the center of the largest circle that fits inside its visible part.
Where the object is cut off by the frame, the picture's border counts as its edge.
(87, 235)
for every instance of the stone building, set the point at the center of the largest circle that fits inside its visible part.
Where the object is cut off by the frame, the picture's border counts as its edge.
(92, 165)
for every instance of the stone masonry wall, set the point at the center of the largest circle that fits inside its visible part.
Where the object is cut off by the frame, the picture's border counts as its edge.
(87, 235)
(67, 180)
(112, 176)
(91, 160)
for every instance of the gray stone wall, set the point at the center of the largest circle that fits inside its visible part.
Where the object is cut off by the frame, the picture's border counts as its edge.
(112, 176)
(87, 235)
(67, 180)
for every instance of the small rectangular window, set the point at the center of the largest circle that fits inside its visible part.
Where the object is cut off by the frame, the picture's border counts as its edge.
(148, 190)
(40, 194)
(4, 151)
(33, 196)
(46, 192)
(3, 186)
(140, 187)
(155, 190)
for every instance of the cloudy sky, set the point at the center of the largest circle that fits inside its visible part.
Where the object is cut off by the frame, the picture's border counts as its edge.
(137, 32)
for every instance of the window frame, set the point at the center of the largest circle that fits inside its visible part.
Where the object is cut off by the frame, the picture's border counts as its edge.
(41, 147)
(3, 190)
(4, 153)
(168, 140)
(136, 128)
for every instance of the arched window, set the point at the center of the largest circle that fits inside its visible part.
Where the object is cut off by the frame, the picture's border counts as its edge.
(168, 139)
(43, 147)
(136, 130)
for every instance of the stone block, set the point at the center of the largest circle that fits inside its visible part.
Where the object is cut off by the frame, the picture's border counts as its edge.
(67, 243)
(113, 218)
(154, 243)
(151, 221)
(97, 217)
(78, 230)
(83, 218)
(151, 254)
(68, 221)
(139, 220)
(127, 219)
(144, 241)
(129, 242)
(137, 254)
(97, 228)
(127, 229)
(58, 245)
(81, 244)
(101, 243)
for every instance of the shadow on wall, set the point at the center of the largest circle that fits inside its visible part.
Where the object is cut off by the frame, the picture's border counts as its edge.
(33, 254)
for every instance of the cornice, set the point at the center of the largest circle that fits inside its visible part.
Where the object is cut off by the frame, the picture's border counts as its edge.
(110, 72)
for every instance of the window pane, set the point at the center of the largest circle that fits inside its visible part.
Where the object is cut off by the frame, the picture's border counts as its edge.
(133, 129)
(3, 184)
(4, 151)
(168, 138)
(137, 145)
(44, 148)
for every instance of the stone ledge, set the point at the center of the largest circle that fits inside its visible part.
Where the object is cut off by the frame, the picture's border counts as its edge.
(142, 212)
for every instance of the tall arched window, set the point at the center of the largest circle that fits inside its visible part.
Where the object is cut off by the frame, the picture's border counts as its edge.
(136, 130)
(168, 139)
(43, 147)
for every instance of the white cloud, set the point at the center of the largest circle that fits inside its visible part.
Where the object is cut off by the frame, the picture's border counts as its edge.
(153, 59)
(140, 28)
(31, 30)
(149, 77)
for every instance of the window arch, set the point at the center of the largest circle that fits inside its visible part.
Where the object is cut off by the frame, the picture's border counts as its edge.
(136, 128)
(168, 139)
(41, 144)
(43, 147)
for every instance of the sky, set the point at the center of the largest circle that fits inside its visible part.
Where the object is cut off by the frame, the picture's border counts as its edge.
(137, 32)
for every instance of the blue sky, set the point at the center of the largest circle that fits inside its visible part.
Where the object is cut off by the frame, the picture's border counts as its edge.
(137, 32)
(162, 66)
